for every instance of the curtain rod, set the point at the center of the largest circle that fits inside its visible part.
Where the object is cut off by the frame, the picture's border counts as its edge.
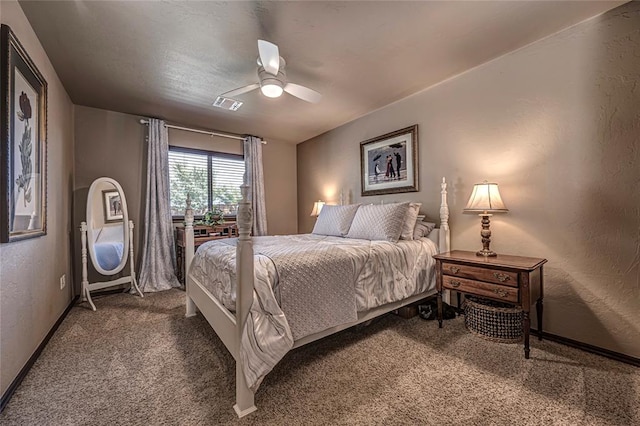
(204, 132)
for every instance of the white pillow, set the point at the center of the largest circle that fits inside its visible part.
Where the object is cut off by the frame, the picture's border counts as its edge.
(423, 229)
(379, 222)
(410, 221)
(335, 220)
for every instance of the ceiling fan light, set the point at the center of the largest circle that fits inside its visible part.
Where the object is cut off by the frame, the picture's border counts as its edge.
(271, 90)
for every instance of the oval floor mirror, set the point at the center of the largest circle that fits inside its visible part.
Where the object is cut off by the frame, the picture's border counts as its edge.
(108, 234)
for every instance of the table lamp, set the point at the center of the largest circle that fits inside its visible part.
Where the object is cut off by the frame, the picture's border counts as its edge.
(317, 207)
(485, 199)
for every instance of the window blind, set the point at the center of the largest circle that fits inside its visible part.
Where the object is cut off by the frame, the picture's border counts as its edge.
(212, 179)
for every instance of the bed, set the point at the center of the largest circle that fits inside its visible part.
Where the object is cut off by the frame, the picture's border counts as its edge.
(264, 296)
(109, 246)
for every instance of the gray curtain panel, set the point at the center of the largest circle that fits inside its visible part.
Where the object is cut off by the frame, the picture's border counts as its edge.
(157, 271)
(255, 178)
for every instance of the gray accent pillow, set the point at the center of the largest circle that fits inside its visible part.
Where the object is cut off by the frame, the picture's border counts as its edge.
(335, 220)
(379, 222)
(410, 221)
(423, 229)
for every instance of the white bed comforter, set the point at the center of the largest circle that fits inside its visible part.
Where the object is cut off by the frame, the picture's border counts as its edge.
(380, 272)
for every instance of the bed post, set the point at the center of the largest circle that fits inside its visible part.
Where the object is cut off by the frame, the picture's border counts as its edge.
(244, 297)
(189, 243)
(444, 245)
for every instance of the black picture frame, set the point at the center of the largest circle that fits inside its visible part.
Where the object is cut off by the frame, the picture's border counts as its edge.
(112, 206)
(23, 136)
(389, 163)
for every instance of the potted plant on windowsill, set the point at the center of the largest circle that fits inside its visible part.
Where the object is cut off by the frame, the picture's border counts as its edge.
(213, 217)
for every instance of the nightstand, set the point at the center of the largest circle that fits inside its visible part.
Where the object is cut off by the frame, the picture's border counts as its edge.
(201, 234)
(510, 279)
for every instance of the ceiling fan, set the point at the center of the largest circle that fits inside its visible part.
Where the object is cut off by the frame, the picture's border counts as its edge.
(273, 79)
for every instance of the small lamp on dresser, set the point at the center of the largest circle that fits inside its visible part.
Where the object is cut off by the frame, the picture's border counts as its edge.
(486, 200)
(317, 207)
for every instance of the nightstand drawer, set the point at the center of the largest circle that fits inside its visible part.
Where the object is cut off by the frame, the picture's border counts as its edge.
(476, 273)
(479, 288)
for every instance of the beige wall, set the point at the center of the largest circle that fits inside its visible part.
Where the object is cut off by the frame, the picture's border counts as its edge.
(280, 187)
(201, 141)
(30, 297)
(556, 124)
(279, 160)
(113, 144)
(108, 144)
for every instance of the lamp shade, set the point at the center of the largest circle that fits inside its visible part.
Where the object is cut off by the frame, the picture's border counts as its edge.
(317, 207)
(271, 90)
(486, 198)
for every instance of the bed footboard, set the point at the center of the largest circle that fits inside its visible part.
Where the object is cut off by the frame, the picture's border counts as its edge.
(229, 331)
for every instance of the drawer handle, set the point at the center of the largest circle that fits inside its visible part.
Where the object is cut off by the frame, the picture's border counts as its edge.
(454, 269)
(500, 293)
(501, 277)
(455, 284)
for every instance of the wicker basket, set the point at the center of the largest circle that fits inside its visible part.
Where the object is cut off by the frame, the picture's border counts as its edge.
(493, 321)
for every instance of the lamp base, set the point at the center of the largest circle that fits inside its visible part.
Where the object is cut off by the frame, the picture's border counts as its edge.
(486, 237)
(486, 253)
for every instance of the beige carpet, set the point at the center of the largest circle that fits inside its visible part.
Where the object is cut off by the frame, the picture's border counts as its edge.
(140, 362)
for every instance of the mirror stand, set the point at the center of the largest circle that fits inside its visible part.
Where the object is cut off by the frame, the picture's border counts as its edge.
(87, 287)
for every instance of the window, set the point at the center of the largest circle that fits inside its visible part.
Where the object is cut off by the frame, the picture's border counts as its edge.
(212, 179)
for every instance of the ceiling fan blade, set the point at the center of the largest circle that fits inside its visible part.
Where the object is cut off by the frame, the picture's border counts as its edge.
(241, 90)
(269, 56)
(303, 93)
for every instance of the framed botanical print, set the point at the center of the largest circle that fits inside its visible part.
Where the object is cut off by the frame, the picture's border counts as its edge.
(389, 163)
(23, 136)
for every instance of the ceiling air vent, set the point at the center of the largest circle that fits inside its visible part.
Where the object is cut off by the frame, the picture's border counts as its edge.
(227, 103)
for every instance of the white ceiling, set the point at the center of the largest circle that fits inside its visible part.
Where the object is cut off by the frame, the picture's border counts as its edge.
(171, 59)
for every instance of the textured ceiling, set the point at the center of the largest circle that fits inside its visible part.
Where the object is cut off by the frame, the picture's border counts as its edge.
(171, 59)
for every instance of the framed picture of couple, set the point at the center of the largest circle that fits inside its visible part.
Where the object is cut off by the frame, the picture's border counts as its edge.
(112, 206)
(389, 163)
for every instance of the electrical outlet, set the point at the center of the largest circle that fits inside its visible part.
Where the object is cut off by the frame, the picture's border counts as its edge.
(63, 281)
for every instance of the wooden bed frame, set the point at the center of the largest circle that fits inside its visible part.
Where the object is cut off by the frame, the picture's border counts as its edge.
(229, 326)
